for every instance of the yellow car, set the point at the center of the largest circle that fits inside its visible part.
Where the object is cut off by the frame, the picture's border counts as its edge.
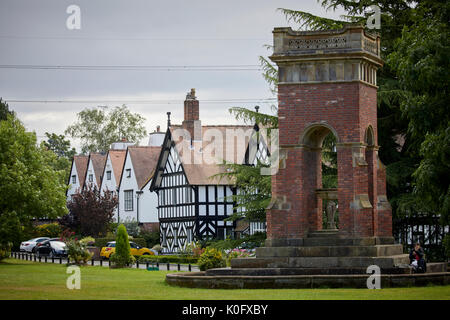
(136, 250)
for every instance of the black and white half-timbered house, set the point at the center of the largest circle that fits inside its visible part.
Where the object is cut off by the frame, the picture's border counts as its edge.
(193, 200)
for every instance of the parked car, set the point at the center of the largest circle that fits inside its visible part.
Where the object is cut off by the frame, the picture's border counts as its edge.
(30, 245)
(135, 250)
(52, 248)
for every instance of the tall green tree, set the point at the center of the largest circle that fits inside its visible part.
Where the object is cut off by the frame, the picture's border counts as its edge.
(421, 61)
(64, 153)
(4, 110)
(30, 188)
(98, 127)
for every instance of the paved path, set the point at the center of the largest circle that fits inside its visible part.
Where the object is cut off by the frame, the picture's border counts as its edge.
(104, 263)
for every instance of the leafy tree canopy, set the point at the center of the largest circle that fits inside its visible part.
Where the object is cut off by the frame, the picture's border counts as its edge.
(64, 154)
(30, 187)
(98, 128)
(90, 212)
(4, 110)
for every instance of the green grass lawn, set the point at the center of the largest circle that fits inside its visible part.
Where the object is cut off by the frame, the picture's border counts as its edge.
(30, 280)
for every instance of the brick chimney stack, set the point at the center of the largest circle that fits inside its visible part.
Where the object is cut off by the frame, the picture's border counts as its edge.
(192, 121)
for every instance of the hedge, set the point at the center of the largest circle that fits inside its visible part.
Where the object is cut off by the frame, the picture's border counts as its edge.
(101, 242)
(168, 259)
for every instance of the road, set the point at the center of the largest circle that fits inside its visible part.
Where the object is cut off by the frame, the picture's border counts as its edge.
(104, 263)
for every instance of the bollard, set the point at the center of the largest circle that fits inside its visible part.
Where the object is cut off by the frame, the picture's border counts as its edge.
(53, 259)
(109, 263)
(168, 266)
(68, 260)
(39, 258)
(60, 260)
(146, 265)
(92, 262)
(137, 264)
(45, 259)
(101, 262)
(189, 267)
(157, 264)
(178, 267)
(34, 258)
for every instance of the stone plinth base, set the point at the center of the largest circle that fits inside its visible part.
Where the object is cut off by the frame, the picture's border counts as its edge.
(324, 259)
(201, 280)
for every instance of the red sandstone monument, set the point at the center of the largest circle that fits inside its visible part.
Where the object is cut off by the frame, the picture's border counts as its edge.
(327, 84)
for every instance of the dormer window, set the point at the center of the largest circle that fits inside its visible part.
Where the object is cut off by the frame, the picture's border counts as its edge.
(128, 173)
(74, 179)
(108, 175)
(91, 178)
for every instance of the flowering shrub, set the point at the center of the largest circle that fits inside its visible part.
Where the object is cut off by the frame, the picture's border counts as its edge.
(193, 249)
(77, 251)
(51, 230)
(87, 241)
(211, 258)
(238, 253)
(66, 235)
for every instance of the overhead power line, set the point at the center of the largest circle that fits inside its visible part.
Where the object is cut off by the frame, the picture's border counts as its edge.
(262, 100)
(32, 37)
(242, 67)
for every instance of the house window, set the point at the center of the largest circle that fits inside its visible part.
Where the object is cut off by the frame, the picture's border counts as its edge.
(91, 178)
(128, 173)
(128, 200)
(74, 179)
(108, 175)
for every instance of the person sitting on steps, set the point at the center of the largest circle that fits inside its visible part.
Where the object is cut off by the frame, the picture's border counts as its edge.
(416, 258)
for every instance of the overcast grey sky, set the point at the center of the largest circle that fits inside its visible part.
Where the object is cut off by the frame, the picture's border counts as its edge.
(138, 33)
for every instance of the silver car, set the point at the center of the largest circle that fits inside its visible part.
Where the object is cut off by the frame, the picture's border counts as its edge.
(30, 245)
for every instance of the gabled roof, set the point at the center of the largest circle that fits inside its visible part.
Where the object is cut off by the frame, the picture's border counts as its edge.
(144, 160)
(203, 173)
(117, 160)
(98, 164)
(81, 163)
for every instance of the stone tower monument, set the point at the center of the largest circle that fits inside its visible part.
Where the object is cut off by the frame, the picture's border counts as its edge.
(327, 84)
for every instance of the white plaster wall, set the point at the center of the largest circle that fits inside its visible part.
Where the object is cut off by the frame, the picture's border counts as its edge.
(90, 170)
(127, 184)
(73, 188)
(110, 185)
(148, 201)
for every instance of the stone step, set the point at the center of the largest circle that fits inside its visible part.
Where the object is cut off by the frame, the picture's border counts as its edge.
(321, 262)
(330, 251)
(299, 271)
(336, 241)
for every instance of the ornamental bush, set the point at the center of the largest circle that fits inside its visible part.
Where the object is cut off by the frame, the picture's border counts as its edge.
(211, 258)
(77, 251)
(51, 230)
(5, 250)
(122, 256)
